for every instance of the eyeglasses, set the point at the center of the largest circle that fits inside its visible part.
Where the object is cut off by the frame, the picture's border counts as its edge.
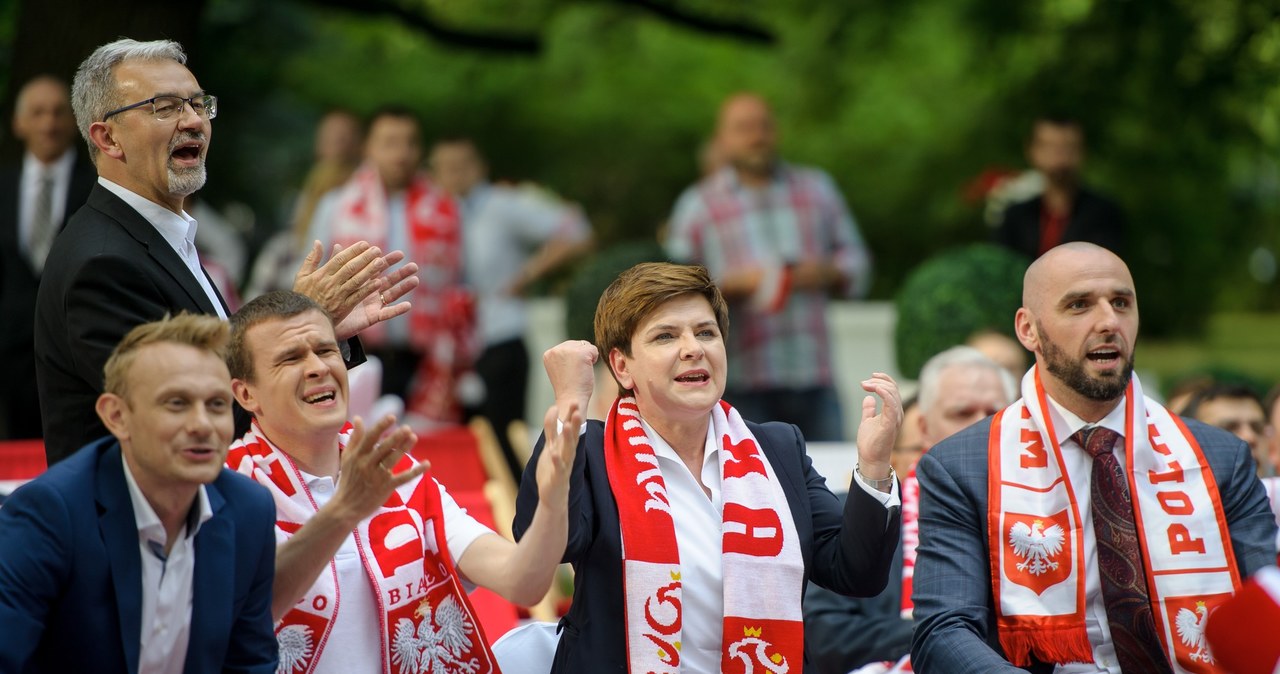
(165, 107)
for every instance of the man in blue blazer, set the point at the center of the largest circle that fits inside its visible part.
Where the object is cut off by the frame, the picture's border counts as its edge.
(140, 553)
(1080, 319)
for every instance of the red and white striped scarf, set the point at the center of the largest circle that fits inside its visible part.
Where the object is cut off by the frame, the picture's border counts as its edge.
(910, 539)
(442, 317)
(427, 623)
(1037, 538)
(762, 562)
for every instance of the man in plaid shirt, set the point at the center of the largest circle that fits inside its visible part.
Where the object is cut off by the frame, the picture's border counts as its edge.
(779, 241)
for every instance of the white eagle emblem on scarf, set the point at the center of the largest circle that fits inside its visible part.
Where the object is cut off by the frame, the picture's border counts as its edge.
(437, 643)
(1036, 545)
(1191, 632)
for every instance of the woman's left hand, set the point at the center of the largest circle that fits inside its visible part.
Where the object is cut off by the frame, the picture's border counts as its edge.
(878, 432)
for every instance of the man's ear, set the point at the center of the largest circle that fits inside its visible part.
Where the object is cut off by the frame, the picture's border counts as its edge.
(244, 395)
(101, 136)
(618, 364)
(114, 413)
(1024, 326)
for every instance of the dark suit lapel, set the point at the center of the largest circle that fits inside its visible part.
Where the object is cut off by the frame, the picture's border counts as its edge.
(157, 248)
(212, 585)
(120, 537)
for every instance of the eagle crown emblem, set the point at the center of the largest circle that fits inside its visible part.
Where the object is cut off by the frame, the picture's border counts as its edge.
(1037, 546)
(1190, 626)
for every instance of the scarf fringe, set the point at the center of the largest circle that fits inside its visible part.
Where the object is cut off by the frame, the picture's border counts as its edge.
(1053, 644)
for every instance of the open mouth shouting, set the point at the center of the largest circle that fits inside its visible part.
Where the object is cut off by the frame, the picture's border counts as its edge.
(1106, 356)
(185, 150)
(694, 377)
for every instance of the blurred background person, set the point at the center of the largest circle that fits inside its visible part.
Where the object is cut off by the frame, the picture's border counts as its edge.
(390, 203)
(338, 140)
(958, 387)
(512, 237)
(37, 196)
(779, 241)
(1235, 408)
(1066, 210)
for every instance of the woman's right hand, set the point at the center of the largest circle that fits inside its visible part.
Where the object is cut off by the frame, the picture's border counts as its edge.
(570, 366)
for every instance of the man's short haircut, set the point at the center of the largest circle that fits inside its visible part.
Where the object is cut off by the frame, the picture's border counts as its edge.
(959, 356)
(207, 333)
(394, 111)
(640, 290)
(275, 305)
(94, 92)
(1229, 391)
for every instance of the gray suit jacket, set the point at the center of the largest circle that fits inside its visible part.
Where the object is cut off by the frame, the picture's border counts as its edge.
(955, 616)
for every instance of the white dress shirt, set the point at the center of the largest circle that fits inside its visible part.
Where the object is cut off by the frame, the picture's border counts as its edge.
(698, 540)
(355, 642)
(29, 190)
(1080, 473)
(167, 590)
(178, 230)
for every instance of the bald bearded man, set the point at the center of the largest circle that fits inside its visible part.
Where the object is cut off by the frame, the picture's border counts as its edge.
(1117, 525)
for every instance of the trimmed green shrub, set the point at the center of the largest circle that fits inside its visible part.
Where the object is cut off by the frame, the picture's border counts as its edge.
(953, 295)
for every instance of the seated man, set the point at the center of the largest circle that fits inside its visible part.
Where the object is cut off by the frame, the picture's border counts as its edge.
(1237, 409)
(141, 552)
(1084, 528)
(371, 551)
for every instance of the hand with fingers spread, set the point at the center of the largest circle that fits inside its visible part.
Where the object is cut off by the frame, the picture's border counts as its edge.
(555, 465)
(346, 280)
(878, 432)
(366, 478)
(570, 366)
(384, 304)
(367, 475)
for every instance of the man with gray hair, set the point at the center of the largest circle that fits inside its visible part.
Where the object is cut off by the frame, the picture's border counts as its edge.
(958, 387)
(128, 256)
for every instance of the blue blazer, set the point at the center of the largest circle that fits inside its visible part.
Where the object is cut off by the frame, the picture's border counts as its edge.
(71, 573)
(846, 548)
(955, 618)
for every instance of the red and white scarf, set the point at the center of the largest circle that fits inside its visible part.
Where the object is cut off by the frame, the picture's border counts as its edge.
(427, 623)
(761, 558)
(910, 539)
(1037, 539)
(442, 317)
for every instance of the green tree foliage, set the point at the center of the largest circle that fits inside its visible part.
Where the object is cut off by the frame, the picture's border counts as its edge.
(903, 101)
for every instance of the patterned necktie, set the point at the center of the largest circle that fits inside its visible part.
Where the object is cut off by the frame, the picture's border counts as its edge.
(43, 228)
(1124, 580)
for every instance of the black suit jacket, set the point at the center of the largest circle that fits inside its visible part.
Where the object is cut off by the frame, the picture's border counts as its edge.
(109, 271)
(843, 633)
(18, 285)
(848, 549)
(1094, 218)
